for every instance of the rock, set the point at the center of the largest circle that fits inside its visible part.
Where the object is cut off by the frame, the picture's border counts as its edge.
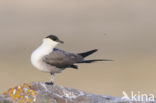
(4, 100)
(38, 92)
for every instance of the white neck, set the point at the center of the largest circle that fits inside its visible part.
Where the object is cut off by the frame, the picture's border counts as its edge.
(47, 46)
(44, 49)
(49, 42)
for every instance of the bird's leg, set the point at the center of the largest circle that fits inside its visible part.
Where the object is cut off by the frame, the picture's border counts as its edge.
(52, 79)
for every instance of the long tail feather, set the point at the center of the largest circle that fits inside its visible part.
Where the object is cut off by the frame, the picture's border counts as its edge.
(94, 60)
(85, 54)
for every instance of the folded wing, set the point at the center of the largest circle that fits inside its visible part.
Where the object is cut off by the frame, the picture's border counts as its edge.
(62, 59)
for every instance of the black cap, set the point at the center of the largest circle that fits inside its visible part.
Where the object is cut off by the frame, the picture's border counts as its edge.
(54, 38)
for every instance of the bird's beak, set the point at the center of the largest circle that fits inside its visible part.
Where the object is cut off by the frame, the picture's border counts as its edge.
(60, 41)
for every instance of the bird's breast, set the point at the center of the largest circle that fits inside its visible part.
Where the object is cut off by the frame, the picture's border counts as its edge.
(38, 63)
(38, 54)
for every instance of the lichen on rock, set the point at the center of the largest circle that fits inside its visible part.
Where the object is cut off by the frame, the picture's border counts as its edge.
(22, 93)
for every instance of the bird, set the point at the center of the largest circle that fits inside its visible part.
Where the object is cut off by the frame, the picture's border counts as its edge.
(47, 58)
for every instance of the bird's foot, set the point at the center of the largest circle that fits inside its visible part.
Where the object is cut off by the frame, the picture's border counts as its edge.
(49, 83)
(74, 66)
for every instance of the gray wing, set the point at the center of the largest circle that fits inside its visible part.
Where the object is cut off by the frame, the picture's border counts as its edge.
(62, 59)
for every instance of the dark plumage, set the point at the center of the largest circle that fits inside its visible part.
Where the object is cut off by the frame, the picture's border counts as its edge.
(62, 59)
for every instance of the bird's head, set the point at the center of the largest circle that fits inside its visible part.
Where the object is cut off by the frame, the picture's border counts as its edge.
(52, 40)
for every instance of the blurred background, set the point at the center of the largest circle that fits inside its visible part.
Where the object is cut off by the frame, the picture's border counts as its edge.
(122, 30)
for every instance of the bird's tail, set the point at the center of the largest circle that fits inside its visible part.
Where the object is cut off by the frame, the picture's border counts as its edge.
(85, 54)
(94, 60)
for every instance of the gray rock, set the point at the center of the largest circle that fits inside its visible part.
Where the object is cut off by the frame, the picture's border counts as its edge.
(38, 92)
(4, 100)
